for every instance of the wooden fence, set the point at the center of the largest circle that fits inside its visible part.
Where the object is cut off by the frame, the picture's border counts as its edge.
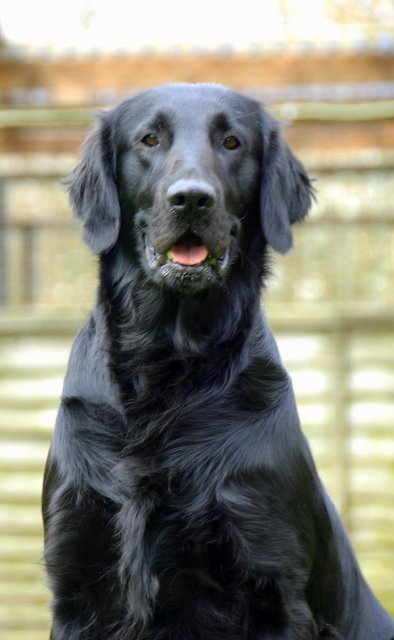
(342, 362)
(343, 373)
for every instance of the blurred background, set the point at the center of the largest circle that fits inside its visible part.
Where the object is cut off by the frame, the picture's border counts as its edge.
(326, 68)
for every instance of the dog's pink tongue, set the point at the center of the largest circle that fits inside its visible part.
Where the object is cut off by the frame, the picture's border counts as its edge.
(188, 255)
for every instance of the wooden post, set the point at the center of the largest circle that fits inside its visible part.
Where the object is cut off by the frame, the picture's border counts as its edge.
(3, 249)
(341, 422)
(28, 263)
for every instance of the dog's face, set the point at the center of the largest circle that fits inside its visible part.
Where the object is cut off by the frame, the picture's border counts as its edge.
(188, 173)
(182, 177)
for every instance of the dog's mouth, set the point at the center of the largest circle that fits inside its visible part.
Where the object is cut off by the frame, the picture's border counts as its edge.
(188, 251)
(188, 263)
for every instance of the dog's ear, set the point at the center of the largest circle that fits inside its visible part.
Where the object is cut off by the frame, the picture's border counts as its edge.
(92, 189)
(286, 190)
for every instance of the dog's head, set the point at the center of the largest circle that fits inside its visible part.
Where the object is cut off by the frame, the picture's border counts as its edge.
(184, 178)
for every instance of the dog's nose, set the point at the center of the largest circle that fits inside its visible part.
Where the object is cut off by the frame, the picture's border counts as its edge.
(191, 196)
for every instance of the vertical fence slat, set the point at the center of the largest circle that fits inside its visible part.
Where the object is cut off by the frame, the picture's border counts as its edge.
(341, 426)
(3, 247)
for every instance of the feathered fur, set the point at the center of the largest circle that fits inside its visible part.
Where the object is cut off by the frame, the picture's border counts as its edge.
(181, 501)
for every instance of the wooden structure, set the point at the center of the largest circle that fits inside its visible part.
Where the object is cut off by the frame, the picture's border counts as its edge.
(336, 333)
(42, 91)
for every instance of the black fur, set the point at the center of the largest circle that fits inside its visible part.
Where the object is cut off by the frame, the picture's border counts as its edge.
(181, 501)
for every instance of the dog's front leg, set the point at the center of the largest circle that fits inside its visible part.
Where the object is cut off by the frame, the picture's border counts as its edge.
(273, 555)
(137, 580)
(80, 557)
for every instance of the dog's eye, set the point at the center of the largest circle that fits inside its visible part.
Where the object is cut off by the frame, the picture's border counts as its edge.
(231, 142)
(150, 140)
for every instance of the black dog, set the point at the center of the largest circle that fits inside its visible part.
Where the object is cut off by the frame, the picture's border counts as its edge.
(181, 501)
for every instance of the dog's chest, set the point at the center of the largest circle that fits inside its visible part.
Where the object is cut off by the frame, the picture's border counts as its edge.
(187, 539)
